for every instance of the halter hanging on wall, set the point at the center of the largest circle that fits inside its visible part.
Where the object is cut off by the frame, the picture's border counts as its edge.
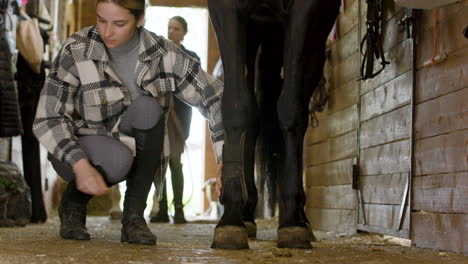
(372, 41)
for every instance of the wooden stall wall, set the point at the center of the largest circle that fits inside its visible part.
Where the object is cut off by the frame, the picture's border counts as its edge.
(440, 185)
(331, 148)
(385, 131)
(85, 13)
(368, 124)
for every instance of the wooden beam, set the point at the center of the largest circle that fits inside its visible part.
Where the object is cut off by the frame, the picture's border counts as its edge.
(86, 13)
(179, 3)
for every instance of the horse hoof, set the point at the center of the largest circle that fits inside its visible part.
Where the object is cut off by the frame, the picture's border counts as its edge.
(230, 237)
(251, 229)
(294, 237)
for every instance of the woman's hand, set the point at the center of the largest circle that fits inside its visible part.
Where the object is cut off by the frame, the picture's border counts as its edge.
(219, 183)
(88, 179)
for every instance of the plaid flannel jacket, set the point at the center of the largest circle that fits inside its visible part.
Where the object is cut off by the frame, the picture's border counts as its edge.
(83, 96)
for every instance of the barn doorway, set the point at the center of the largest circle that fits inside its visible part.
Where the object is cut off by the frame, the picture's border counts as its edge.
(193, 158)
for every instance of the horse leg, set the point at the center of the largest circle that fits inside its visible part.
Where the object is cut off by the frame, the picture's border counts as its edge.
(309, 22)
(230, 27)
(255, 35)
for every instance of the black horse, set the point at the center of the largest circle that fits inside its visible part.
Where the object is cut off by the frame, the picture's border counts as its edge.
(257, 39)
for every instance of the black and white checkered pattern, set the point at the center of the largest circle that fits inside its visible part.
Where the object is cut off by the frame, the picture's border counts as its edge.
(82, 95)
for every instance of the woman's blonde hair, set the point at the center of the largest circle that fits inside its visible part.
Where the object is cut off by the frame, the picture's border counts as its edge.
(136, 7)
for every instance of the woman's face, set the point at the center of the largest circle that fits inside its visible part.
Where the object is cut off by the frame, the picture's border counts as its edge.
(175, 31)
(116, 24)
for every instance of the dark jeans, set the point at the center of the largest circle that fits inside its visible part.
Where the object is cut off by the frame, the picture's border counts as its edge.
(177, 178)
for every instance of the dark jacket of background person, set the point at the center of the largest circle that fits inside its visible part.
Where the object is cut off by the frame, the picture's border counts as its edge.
(183, 116)
(10, 121)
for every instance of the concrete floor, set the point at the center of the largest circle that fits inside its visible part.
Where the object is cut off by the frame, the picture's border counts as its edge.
(190, 243)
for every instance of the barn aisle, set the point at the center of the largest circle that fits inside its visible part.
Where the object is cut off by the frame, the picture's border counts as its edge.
(190, 243)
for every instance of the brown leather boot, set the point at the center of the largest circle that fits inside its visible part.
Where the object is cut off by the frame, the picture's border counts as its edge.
(72, 213)
(135, 230)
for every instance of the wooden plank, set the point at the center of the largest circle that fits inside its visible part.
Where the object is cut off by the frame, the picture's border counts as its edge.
(336, 220)
(442, 154)
(451, 37)
(343, 121)
(332, 197)
(442, 115)
(319, 133)
(390, 9)
(340, 99)
(348, 19)
(343, 96)
(445, 13)
(386, 159)
(444, 78)
(5, 149)
(379, 230)
(334, 173)
(443, 193)
(342, 72)
(345, 46)
(392, 35)
(379, 216)
(400, 59)
(86, 13)
(440, 231)
(179, 3)
(308, 136)
(62, 27)
(394, 94)
(338, 148)
(389, 127)
(318, 153)
(383, 189)
(384, 218)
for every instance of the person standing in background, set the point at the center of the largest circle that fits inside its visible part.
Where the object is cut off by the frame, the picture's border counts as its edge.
(180, 116)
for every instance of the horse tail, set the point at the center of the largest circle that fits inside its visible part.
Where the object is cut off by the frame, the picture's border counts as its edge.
(270, 149)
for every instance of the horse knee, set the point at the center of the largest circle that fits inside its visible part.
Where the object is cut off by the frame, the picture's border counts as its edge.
(238, 113)
(291, 116)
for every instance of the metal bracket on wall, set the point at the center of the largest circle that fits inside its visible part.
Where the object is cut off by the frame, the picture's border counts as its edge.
(406, 23)
(403, 202)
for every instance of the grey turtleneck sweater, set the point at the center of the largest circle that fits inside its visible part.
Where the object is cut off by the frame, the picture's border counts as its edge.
(123, 59)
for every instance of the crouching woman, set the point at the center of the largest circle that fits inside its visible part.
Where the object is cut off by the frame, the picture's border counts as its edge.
(103, 108)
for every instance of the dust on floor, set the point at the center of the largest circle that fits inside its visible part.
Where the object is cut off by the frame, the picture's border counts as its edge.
(190, 243)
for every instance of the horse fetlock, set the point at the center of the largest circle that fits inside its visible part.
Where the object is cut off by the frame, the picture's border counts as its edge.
(232, 192)
(292, 215)
(233, 147)
(233, 171)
